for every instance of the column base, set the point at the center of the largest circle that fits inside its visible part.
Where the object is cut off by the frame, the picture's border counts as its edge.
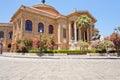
(59, 48)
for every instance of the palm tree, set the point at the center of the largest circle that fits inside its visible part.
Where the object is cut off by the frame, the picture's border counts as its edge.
(83, 22)
(118, 28)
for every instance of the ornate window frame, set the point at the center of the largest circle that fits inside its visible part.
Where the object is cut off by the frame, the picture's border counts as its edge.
(28, 25)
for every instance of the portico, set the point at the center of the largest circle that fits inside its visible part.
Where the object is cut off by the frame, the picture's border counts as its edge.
(77, 33)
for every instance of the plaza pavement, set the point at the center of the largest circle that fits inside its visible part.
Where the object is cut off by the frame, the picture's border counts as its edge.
(81, 67)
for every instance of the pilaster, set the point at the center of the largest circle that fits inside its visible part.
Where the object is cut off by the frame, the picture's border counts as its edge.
(18, 30)
(22, 30)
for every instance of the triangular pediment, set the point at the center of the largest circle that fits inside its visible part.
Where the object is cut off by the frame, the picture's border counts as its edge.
(79, 13)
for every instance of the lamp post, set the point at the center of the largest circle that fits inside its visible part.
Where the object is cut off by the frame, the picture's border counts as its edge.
(72, 44)
(40, 47)
(116, 39)
(1, 45)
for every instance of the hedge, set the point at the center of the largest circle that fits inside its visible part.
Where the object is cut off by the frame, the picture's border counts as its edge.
(68, 51)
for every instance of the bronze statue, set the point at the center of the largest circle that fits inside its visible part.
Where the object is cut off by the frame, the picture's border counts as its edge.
(43, 1)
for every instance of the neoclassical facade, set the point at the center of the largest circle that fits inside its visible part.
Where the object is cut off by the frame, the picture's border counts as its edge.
(6, 32)
(28, 21)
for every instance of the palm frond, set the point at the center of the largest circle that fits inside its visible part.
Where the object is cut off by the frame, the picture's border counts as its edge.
(83, 21)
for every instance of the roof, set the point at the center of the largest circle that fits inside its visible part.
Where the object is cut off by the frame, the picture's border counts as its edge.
(43, 9)
(49, 11)
(46, 8)
(6, 24)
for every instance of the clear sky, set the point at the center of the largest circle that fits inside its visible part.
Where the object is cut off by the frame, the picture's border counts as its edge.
(107, 12)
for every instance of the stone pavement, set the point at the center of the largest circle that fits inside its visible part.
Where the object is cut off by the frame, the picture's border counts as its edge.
(68, 68)
(81, 67)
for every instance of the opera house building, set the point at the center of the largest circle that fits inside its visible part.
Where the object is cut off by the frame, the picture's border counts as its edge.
(28, 21)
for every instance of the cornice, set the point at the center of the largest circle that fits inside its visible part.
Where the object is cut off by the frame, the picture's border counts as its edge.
(43, 13)
(6, 24)
(17, 12)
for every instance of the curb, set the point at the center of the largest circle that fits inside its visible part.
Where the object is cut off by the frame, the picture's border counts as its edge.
(48, 57)
(39, 57)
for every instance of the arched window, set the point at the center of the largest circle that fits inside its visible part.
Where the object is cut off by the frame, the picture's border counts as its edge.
(28, 25)
(51, 29)
(41, 27)
(10, 35)
(1, 34)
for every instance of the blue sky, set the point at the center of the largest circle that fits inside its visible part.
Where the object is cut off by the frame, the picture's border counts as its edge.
(107, 12)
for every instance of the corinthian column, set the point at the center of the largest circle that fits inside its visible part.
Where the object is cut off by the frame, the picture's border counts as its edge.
(91, 31)
(18, 30)
(69, 32)
(59, 36)
(88, 35)
(75, 34)
(13, 36)
(80, 34)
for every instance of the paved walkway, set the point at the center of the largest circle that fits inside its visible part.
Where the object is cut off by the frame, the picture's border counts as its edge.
(65, 68)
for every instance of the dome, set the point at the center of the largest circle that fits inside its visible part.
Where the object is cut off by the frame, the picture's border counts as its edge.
(46, 8)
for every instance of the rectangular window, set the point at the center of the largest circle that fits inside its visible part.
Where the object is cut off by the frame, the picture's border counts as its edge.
(64, 33)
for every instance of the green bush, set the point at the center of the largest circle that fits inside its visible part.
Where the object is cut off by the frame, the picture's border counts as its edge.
(70, 51)
(22, 50)
(33, 51)
(66, 51)
(112, 51)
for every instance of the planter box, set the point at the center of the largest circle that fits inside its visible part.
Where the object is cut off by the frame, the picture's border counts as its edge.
(76, 53)
(102, 54)
(54, 54)
(60, 54)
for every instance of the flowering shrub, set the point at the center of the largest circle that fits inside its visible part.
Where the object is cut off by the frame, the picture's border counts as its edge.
(46, 42)
(27, 43)
(35, 43)
(83, 44)
(95, 44)
(24, 45)
(102, 44)
(115, 38)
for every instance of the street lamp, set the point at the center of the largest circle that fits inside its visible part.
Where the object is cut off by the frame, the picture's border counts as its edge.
(72, 44)
(116, 38)
(1, 45)
(40, 47)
